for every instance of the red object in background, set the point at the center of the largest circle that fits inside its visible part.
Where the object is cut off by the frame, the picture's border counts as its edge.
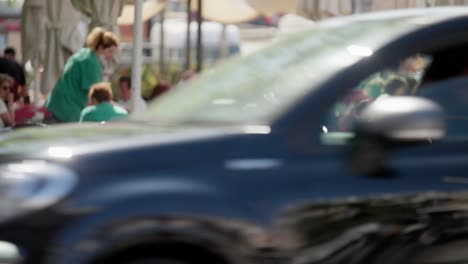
(10, 25)
(26, 113)
(160, 88)
(267, 20)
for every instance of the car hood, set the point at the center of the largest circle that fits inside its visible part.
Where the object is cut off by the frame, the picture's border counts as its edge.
(60, 139)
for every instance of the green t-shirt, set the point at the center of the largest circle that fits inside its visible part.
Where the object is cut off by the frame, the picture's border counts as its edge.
(70, 94)
(103, 112)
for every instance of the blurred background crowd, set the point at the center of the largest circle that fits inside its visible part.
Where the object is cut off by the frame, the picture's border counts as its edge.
(40, 35)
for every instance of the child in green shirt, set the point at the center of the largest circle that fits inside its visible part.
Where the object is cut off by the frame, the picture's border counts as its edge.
(102, 109)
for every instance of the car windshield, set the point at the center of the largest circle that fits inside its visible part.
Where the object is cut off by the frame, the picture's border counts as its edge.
(260, 87)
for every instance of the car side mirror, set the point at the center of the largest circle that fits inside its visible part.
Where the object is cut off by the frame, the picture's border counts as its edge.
(402, 119)
(393, 122)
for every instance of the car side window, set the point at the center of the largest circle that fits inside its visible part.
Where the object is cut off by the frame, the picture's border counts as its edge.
(401, 80)
(439, 77)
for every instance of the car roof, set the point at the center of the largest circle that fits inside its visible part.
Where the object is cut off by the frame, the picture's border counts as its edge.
(434, 13)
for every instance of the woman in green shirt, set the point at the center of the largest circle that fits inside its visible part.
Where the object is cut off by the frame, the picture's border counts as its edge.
(70, 94)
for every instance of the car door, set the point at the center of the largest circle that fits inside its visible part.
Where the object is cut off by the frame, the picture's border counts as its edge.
(414, 211)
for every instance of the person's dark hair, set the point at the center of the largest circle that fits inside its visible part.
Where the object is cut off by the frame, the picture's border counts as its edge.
(10, 51)
(27, 99)
(127, 80)
(101, 92)
(392, 86)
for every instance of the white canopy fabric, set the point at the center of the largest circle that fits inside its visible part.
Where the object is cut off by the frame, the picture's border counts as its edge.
(54, 59)
(150, 9)
(226, 11)
(45, 33)
(103, 13)
(33, 24)
(269, 7)
(60, 16)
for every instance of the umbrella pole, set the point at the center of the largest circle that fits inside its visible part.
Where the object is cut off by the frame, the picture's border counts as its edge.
(162, 45)
(137, 53)
(224, 47)
(199, 37)
(187, 40)
(36, 85)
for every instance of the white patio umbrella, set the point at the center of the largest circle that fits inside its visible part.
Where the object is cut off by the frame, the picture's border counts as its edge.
(54, 58)
(137, 54)
(222, 11)
(33, 24)
(226, 11)
(103, 13)
(150, 9)
(59, 15)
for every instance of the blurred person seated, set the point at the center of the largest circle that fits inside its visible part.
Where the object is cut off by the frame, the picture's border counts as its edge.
(349, 119)
(397, 80)
(396, 86)
(344, 110)
(349, 101)
(7, 114)
(102, 109)
(410, 70)
(10, 66)
(125, 93)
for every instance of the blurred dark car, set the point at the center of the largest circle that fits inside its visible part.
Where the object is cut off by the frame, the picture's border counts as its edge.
(344, 144)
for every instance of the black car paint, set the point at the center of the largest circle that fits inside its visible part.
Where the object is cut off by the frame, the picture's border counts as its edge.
(302, 205)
